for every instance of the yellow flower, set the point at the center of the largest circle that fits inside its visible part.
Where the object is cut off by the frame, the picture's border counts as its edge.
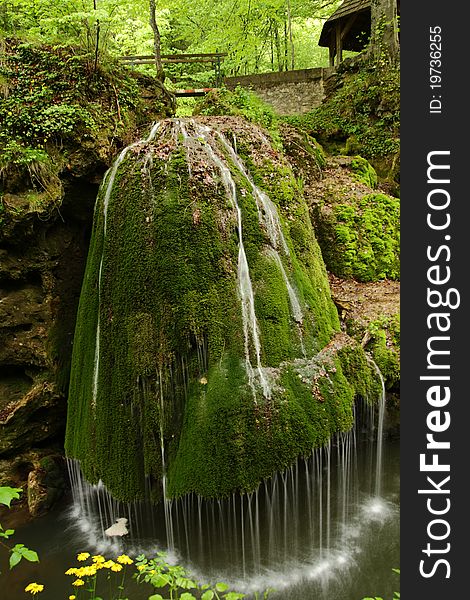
(108, 564)
(71, 571)
(141, 568)
(98, 559)
(83, 556)
(87, 571)
(124, 559)
(72, 597)
(34, 588)
(116, 568)
(78, 582)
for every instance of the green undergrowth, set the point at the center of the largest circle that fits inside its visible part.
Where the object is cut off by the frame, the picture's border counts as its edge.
(171, 349)
(60, 116)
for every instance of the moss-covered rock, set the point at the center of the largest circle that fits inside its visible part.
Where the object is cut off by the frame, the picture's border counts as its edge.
(163, 353)
(370, 313)
(358, 228)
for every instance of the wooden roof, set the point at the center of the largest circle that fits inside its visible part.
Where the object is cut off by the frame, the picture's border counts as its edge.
(348, 7)
(360, 8)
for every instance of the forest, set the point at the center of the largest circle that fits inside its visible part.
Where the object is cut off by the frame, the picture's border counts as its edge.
(199, 299)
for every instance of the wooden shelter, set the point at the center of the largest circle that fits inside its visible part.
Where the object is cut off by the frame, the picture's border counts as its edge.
(348, 28)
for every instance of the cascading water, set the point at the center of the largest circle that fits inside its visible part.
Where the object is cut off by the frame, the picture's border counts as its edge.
(294, 518)
(250, 323)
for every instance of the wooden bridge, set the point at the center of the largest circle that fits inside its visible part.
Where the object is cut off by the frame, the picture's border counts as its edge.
(215, 59)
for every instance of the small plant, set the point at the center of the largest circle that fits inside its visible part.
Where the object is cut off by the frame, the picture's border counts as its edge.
(18, 551)
(174, 580)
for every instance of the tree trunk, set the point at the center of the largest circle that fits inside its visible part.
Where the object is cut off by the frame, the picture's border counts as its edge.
(384, 30)
(156, 42)
(291, 39)
(97, 38)
(286, 47)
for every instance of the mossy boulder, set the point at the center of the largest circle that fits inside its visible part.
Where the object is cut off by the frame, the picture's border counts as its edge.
(164, 354)
(358, 228)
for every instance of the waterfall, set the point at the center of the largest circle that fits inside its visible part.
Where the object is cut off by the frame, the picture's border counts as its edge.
(302, 513)
(267, 210)
(380, 427)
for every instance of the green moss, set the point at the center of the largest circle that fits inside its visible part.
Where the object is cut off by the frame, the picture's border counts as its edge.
(229, 444)
(384, 345)
(358, 372)
(171, 344)
(360, 238)
(364, 171)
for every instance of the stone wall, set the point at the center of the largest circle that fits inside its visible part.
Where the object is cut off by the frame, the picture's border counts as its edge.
(288, 92)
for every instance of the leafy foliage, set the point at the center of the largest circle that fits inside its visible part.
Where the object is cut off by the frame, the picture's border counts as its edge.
(18, 551)
(174, 579)
(259, 35)
(7, 494)
(59, 116)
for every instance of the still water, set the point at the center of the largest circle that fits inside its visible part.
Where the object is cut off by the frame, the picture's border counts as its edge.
(318, 531)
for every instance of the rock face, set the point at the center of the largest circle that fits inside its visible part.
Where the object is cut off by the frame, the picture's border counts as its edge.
(41, 268)
(205, 350)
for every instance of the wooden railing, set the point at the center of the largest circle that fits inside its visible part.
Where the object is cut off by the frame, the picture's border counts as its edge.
(215, 58)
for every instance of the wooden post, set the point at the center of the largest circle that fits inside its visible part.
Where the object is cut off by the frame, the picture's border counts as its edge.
(332, 48)
(339, 43)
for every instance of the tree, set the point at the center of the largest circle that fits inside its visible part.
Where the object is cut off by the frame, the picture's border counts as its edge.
(384, 29)
(157, 44)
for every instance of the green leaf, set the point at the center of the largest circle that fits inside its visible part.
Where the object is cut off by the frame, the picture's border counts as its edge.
(15, 558)
(156, 597)
(30, 555)
(185, 583)
(19, 548)
(160, 581)
(207, 595)
(234, 596)
(187, 596)
(397, 571)
(221, 587)
(9, 532)
(7, 494)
